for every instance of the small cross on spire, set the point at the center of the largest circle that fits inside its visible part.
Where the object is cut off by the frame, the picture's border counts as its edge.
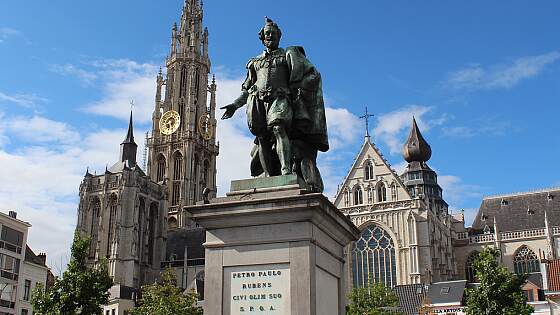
(366, 116)
(131, 104)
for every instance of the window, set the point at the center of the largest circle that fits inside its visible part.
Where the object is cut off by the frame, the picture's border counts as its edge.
(394, 192)
(12, 239)
(26, 289)
(152, 231)
(358, 196)
(139, 244)
(24, 311)
(346, 197)
(93, 232)
(160, 168)
(525, 261)
(9, 267)
(112, 219)
(469, 267)
(381, 193)
(206, 171)
(373, 257)
(368, 170)
(177, 176)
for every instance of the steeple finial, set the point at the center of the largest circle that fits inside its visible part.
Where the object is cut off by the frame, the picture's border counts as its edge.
(130, 134)
(366, 116)
(128, 146)
(416, 149)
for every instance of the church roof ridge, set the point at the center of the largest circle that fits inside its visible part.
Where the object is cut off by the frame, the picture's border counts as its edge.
(523, 193)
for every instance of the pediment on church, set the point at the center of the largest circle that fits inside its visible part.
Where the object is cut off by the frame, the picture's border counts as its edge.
(373, 176)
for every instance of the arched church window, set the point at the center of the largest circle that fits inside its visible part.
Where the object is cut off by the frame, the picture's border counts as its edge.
(369, 195)
(358, 196)
(177, 174)
(152, 225)
(206, 170)
(346, 195)
(160, 168)
(94, 228)
(194, 178)
(368, 170)
(525, 261)
(381, 192)
(373, 257)
(112, 222)
(183, 82)
(141, 228)
(469, 267)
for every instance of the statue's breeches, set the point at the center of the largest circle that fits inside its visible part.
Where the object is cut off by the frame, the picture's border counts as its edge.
(265, 111)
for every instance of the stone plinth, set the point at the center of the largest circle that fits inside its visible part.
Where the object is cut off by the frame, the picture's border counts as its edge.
(274, 248)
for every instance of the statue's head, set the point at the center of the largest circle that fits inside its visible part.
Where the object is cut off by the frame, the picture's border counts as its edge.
(270, 34)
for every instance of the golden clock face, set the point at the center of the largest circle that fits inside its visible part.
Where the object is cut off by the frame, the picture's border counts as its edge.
(169, 122)
(205, 127)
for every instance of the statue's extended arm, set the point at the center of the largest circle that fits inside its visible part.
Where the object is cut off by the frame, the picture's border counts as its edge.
(239, 102)
(242, 99)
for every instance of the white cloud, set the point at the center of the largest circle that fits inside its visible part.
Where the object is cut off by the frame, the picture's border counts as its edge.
(39, 129)
(343, 127)
(23, 100)
(503, 75)
(391, 126)
(7, 32)
(40, 180)
(121, 80)
(235, 140)
(455, 192)
(86, 77)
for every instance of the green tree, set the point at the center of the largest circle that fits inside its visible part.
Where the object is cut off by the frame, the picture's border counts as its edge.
(80, 291)
(374, 299)
(499, 292)
(165, 298)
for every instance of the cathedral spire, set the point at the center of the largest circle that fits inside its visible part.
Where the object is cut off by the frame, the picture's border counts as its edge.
(128, 146)
(416, 149)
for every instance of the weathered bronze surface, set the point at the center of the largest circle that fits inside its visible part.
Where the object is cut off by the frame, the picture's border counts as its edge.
(285, 110)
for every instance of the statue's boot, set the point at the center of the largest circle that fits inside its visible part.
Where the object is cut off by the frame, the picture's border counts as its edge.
(265, 155)
(284, 149)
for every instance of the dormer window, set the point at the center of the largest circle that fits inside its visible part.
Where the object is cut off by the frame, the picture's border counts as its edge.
(504, 202)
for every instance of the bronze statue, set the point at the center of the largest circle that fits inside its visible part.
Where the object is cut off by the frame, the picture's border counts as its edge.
(285, 110)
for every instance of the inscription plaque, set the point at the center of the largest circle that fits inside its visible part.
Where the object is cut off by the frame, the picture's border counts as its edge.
(260, 289)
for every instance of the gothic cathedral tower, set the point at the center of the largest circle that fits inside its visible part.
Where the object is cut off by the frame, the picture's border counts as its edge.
(182, 147)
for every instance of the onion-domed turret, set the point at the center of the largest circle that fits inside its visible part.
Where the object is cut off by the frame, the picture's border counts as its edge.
(416, 149)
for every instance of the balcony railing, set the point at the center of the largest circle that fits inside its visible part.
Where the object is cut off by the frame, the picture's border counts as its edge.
(505, 236)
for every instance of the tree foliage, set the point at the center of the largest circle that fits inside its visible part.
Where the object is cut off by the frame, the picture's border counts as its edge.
(80, 291)
(165, 298)
(374, 299)
(499, 292)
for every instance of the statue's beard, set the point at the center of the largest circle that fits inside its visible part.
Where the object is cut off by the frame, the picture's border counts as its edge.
(270, 44)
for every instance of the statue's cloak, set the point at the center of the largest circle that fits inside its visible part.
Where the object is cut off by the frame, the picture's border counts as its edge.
(309, 122)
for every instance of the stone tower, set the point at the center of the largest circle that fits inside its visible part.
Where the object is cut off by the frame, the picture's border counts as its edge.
(123, 212)
(182, 146)
(420, 179)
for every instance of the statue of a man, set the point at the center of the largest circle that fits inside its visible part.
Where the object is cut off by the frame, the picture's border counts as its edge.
(285, 110)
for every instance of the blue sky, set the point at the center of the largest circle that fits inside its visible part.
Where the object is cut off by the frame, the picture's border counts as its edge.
(482, 78)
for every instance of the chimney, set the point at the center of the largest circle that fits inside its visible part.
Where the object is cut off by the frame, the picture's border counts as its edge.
(12, 214)
(43, 257)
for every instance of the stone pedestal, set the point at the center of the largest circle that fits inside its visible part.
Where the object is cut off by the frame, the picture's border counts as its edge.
(274, 248)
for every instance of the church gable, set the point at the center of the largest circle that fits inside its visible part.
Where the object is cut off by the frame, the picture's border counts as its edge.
(370, 180)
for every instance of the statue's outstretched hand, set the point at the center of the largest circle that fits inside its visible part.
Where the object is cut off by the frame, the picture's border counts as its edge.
(230, 110)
